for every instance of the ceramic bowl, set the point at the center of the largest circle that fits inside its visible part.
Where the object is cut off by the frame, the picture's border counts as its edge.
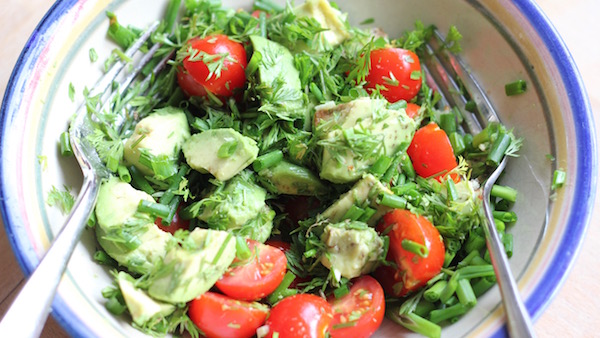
(503, 41)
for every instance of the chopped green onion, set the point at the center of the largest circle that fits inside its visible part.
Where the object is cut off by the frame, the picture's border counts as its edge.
(282, 290)
(381, 165)
(449, 288)
(448, 123)
(154, 209)
(242, 251)
(222, 249)
(455, 310)
(507, 240)
(418, 324)
(314, 89)
(515, 88)
(432, 294)
(393, 201)
(505, 216)
(504, 192)
(457, 142)
(451, 190)
(368, 213)
(114, 306)
(559, 179)
(267, 160)
(465, 294)
(65, 144)
(123, 173)
(227, 149)
(498, 149)
(418, 249)
(407, 166)
(482, 285)
(353, 213)
(341, 291)
(139, 181)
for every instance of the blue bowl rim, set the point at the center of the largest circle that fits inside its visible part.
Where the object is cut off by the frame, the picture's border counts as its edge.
(577, 222)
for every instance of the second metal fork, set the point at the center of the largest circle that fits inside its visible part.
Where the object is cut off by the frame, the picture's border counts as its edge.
(447, 75)
(34, 300)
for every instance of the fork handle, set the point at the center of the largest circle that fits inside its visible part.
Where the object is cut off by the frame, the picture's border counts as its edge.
(32, 304)
(518, 320)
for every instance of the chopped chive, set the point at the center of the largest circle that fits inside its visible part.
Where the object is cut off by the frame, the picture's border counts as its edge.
(368, 213)
(559, 179)
(440, 315)
(407, 167)
(353, 213)
(451, 190)
(432, 294)
(124, 174)
(504, 192)
(474, 243)
(227, 149)
(467, 260)
(381, 165)
(267, 6)
(418, 249)
(393, 201)
(423, 308)
(457, 142)
(154, 209)
(242, 251)
(171, 16)
(505, 216)
(173, 206)
(482, 285)
(498, 149)
(500, 226)
(474, 271)
(465, 294)
(282, 290)
(515, 88)
(222, 249)
(65, 144)
(139, 181)
(93, 55)
(253, 64)
(267, 160)
(121, 35)
(314, 89)
(507, 240)
(262, 24)
(71, 92)
(448, 123)
(449, 288)
(351, 323)
(418, 324)
(367, 21)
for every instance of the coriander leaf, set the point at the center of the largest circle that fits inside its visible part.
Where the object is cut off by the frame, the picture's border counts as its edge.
(61, 199)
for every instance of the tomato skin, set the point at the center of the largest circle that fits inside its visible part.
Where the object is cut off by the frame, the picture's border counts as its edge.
(219, 316)
(413, 271)
(256, 278)
(194, 78)
(176, 224)
(365, 297)
(412, 110)
(300, 316)
(431, 152)
(401, 63)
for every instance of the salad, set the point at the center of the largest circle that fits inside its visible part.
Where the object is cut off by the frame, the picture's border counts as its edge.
(290, 175)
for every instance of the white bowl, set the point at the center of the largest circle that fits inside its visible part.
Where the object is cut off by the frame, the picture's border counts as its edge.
(503, 41)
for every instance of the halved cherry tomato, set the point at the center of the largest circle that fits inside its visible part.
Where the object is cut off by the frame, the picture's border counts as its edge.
(359, 313)
(300, 316)
(397, 70)
(412, 110)
(431, 152)
(390, 281)
(207, 71)
(298, 208)
(257, 277)
(176, 224)
(219, 316)
(413, 270)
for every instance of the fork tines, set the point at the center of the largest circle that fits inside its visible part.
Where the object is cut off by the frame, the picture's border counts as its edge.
(447, 74)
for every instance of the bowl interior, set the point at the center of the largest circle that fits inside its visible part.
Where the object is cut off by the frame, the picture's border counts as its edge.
(502, 43)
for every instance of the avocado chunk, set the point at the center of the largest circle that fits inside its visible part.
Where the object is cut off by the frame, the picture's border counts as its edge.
(331, 19)
(238, 206)
(354, 135)
(142, 307)
(279, 79)
(193, 268)
(221, 152)
(158, 135)
(353, 249)
(291, 179)
(129, 237)
(363, 194)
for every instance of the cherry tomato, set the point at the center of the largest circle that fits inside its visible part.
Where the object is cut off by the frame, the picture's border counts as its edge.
(413, 270)
(176, 224)
(359, 313)
(300, 316)
(299, 208)
(412, 110)
(219, 316)
(389, 279)
(431, 152)
(397, 70)
(257, 277)
(196, 78)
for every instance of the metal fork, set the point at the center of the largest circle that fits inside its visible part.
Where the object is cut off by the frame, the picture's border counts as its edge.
(33, 301)
(448, 75)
